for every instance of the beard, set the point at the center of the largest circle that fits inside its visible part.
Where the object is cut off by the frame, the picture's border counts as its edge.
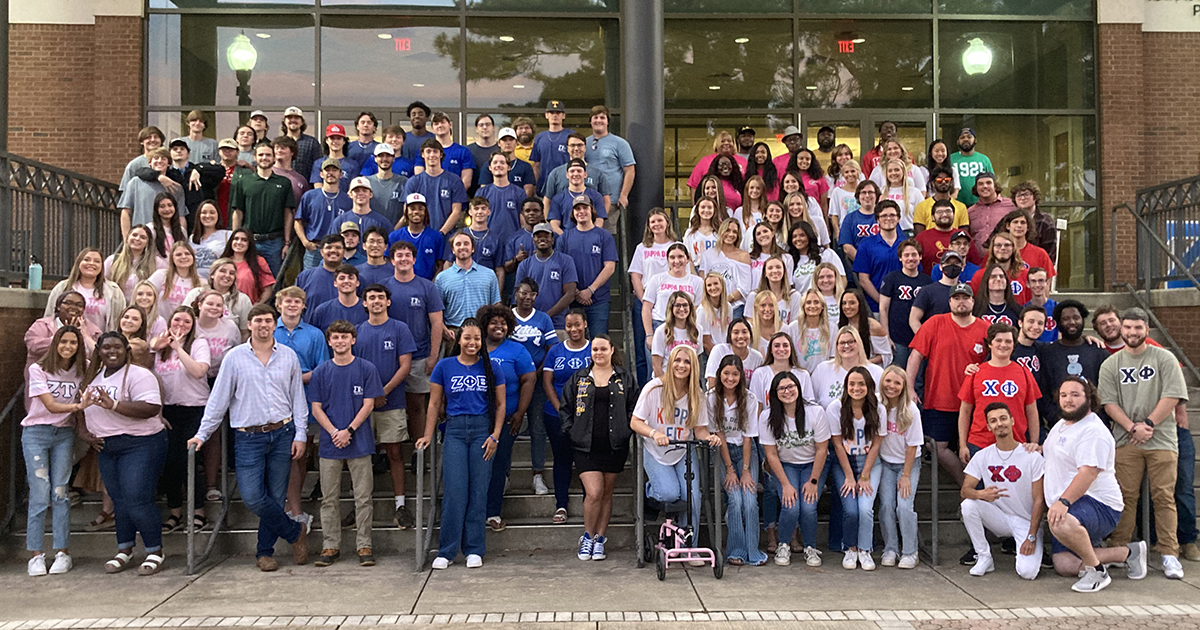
(525, 138)
(824, 146)
(966, 146)
(1071, 334)
(1075, 415)
(1134, 342)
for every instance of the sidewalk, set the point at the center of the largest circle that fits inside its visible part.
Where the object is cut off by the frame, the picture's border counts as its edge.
(518, 589)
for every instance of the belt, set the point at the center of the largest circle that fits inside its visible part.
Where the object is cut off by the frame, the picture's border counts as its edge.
(266, 428)
(268, 237)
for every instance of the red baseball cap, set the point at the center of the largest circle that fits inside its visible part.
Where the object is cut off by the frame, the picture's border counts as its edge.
(334, 129)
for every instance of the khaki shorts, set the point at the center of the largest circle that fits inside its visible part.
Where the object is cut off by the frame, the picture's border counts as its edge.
(418, 379)
(391, 426)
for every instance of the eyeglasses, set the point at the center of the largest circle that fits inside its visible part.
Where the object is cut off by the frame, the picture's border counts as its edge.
(790, 387)
(681, 305)
(847, 343)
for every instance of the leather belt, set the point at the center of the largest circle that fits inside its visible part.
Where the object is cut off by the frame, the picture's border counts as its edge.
(266, 428)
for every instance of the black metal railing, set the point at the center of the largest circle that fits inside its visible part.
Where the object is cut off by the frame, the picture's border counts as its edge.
(1167, 218)
(50, 213)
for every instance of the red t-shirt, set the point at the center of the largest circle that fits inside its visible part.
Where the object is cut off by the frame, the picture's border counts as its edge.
(950, 348)
(1149, 342)
(1035, 256)
(933, 242)
(1012, 384)
(245, 281)
(1020, 287)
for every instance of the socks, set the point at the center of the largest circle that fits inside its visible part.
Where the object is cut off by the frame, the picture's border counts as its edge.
(399, 502)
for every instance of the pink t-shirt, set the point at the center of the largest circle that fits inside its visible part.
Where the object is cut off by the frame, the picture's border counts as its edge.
(139, 386)
(131, 278)
(814, 187)
(170, 300)
(63, 387)
(701, 170)
(96, 308)
(220, 338)
(179, 387)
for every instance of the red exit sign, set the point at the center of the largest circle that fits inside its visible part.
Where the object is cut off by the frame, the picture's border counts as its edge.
(845, 46)
(403, 44)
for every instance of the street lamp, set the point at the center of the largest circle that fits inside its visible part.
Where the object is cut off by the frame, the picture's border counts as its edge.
(241, 58)
(977, 58)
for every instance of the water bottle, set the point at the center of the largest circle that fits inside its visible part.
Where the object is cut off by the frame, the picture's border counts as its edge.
(35, 274)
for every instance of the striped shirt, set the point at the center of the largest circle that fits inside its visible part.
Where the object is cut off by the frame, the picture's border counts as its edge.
(255, 394)
(465, 290)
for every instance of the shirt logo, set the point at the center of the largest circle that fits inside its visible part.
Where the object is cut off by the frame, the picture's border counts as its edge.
(906, 292)
(1017, 288)
(595, 249)
(868, 230)
(388, 344)
(62, 389)
(978, 349)
(415, 302)
(1133, 375)
(993, 387)
(358, 390)
(445, 194)
(1005, 473)
(554, 275)
(468, 383)
(1033, 364)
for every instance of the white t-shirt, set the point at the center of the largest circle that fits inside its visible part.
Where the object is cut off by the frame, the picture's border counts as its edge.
(829, 379)
(795, 447)
(916, 177)
(1014, 472)
(729, 422)
(756, 270)
(719, 351)
(747, 232)
(659, 347)
(1085, 443)
(834, 308)
(786, 310)
(698, 242)
(649, 261)
(882, 346)
(179, 387)
(906, 209)
(859, 443)
(674, 424)
(842, 203)
(808, 346)
(817, 217)
(709, 325)
(208, 250)
(896, 443)
(141, 386)
(802, 274)
(662, 285)
(736, 274)
(760, 385)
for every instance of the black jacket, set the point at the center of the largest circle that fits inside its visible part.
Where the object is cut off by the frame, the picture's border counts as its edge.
(576, 408)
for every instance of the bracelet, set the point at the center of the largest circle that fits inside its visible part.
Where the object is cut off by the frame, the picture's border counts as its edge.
(494, 440)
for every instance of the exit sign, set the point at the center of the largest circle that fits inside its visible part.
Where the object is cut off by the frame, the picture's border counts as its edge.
(845, 46)
(403, 44)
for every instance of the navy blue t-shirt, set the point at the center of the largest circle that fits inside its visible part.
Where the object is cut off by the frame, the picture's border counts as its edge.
(431, 247)
(514, 243)
(374, 274)
(412, 302)
(383, 345)
(489, 248)
(968, 272)
(318, 289)
(933, 299)
(562, 204)
(902, 290)
(317, 211)
(364, 221)
(363, 154)
(350, 169)
(589, 250)
(564, 362)
(465, 386)
(514, 361)
(411, 150)
(440, 193)
(549, 151)
(506, 207)
(520, 173)
(341, 389)
(550, 274)
(333, 310)
(877, 259)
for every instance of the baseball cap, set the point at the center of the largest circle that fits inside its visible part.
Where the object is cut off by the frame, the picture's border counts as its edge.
(790, 130)
(359, 182)
(179, 142)
(227, 143)
(543, 227)
(826, 128)
(331, 162)
(960, 234)
(334, 129)
(581, 199)
(577, 162)
(258, 113)
(348, 226)
(948, 254)
(555, 106)
(507, 132)
(967, 130)
(293, 111)
(962, 288)
(415, 198)
(383, 148)
(745, 129)
(985, 175)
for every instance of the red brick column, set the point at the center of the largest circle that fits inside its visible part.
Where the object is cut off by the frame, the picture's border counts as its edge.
(1122, 149)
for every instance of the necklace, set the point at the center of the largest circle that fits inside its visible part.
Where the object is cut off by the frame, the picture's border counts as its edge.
(995, 311)
(1010, 453)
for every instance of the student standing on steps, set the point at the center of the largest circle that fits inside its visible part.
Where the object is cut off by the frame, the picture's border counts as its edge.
(735, 407)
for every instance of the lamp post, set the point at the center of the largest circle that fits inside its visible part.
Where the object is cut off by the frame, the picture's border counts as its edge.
(241, 58)
(977, 58)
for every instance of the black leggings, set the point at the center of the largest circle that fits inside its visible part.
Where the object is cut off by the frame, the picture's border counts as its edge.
(184, 421)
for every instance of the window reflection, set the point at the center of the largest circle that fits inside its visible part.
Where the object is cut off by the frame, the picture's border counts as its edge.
(534, 6)
(690, 138)
(865, 64)
(1017, 7)
(397, 4)
(866, 6)
(727, 6)
(390, 60)
(227, 4)
(728, 63)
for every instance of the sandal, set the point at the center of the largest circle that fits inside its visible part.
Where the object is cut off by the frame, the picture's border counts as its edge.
(199, 522)
(152, 564)
(173, 523)
(119, 563)
(560, 516)
(103, 521)
(736, 562)
(213, 495)
(496, 523)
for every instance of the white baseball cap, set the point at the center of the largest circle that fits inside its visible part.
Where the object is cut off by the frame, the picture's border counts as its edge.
(293, 111)
(383, 148)
(360, 182)
(507, 132)
(415, 198)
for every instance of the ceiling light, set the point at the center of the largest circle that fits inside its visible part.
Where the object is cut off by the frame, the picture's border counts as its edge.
(741, 40)
(263, 35)
(907, 88)
(506, 38)
(858, 40)
(714, 87)
(384, 36)
(418, 85)
(519, 86)
(810, 87)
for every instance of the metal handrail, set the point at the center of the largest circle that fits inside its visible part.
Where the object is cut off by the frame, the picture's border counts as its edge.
(1145, 227)
(627, 323)
(14, 444)
(423, 529)
(192, 560)
(931, 447)
(1145, 306)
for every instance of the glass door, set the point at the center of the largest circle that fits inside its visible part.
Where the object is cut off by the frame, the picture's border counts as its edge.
(915, 132)
(823, 133)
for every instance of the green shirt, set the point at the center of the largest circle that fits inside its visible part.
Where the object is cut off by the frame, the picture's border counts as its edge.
(262, 201)
(1136, 383)
(968, 168)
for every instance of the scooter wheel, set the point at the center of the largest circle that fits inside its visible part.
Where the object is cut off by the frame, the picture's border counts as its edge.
(718, 568)
(660, 565)
(649, 548)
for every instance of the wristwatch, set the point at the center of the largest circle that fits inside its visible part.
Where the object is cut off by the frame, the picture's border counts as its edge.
(1148, 423)
(1031, 538)
(1064, 501)
(812, 481)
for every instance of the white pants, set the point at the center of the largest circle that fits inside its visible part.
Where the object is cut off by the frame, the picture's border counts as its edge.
(980, 515)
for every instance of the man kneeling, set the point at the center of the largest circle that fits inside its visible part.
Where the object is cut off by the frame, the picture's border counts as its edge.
(1011, 504)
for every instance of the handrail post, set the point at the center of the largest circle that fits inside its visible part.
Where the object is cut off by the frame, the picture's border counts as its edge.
(419, 528)
(718, 514)
(189, 489)
(639, 504)
(933, 500)
(14, 444)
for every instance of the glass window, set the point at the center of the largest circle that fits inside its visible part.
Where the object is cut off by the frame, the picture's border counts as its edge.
(866, 6)
(690, 138)
(277, 49)
(728, 63)
(227, 4)
(727, 6)
(548, 6)
(393, 58)
(510, 64)
(1017, 7)
(861, 63)
(393, 4)
(1002, 65)
(222, 124)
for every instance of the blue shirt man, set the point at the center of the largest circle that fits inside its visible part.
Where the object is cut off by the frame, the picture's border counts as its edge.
(415, 301)
(505, 203)
(554, 273)
(610, 154)
(317, 282)
(466, 285)
(550, 146)
(878, 255)
(443, 191)
(385, 342)
(319, 207)
(594, 253)
(306, 340)
(340, 391)
(429, 242)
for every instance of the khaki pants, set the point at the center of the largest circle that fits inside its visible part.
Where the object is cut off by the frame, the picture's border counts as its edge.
(362, 481)
(1132, 463)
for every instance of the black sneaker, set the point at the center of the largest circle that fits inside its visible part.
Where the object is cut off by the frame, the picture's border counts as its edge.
(1008, 546)
(404, 518)
(968, 559)
(315, 495)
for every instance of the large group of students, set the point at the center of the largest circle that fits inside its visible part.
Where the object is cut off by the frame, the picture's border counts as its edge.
(816, 322)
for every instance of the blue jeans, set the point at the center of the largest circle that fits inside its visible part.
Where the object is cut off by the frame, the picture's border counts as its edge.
(597, 317)
(536, 427)
(770, 501)
(802, 511)
(465, 477)
(272, 251)
(738, 312)
(858, 512)
(892, 505)
(264, 464)
(741, 512)
(49, 455)
(130, 466)
(564, 456)
(1185, 493)
(642, 361)
(312, 258)
(835, 505)
(666, 484)
(501, 464)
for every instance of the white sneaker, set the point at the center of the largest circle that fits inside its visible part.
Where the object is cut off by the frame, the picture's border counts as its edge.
(1171, 568)
(783, 555)
(909, 561)
(1135, 564)
(983, 565)
(866, 561)
(889, 558)
(1091, 581)
(37, 565)
(62, 563)
(441, 563)
(539, 485)
(850, 560)
(812, 556)
(474, 561)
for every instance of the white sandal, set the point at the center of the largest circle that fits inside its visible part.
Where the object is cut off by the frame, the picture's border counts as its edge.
(119, 563)
(152, 564)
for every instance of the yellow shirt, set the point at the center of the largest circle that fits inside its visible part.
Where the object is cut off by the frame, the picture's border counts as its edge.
(523, 152)
(924, 214)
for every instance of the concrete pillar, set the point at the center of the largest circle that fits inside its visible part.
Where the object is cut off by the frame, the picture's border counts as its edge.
(642, 119)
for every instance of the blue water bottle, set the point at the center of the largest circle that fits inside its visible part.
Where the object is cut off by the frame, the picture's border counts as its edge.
(35, 274)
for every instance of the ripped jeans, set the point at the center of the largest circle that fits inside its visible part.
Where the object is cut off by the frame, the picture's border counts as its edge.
(49, 455)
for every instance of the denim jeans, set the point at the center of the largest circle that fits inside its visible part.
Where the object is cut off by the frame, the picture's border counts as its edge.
(835, 542)
(49, 455)
(465, 477)
(1185, 493)
(642, 360)
(741, 512)
(738, 312)
(666, 484)
(500, 464)
(770, 501)
(312, 257)
(858, 512)
(272, 251)
(264, 464)
(891, 506)
(130, 466)
(536, 427)
(597, 317)
(564, 456)
(802, 511)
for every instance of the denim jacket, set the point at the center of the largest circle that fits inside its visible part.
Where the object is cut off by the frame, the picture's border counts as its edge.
(576, 408)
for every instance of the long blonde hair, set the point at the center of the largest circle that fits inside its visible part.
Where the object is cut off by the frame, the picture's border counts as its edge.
(123, 261)
(719, 312)
(822, 326)
(787, 217)
(672, 322)
(862, 353)
(748, 206)
(756, 325)
(900, 403)
(719, 215)
(172, 272)
(905, 210)
(669, 397)
(648, 236)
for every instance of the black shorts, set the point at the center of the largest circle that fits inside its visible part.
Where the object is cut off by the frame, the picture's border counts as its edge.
(942, 426)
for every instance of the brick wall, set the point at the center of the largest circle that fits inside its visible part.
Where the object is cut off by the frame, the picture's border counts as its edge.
(1172, 117)
(68, 78)
(1180, 321)
(1120, 78)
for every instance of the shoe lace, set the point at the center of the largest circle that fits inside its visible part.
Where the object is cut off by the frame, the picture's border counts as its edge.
(812, 552)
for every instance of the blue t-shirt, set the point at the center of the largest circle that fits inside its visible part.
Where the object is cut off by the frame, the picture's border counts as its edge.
(488, 248)
(309, 345)
(968, 272)
(412, 302)
(550, 274)
(593, 179)
(610, 154)
(535, 333)
(400, 166)
(411, 150)
(317, 211)
(364, 155)
(333, 310)
(589, 250)
(1050, 335)
(877, 259)
(373, 274)
(855, 227)
(514, 361)
(456, 157)
(562, 204)
(364, 221)
(465, 386)
(383, 345)
(506, 207)
(318, 288)
(514, 243)
(902, 290)
(440, 193)
(430, 244)
(354, 259)
(933, 299)
(564, 362)
(341, 390)
(549, 151)
(520, 173)
(350, 169)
